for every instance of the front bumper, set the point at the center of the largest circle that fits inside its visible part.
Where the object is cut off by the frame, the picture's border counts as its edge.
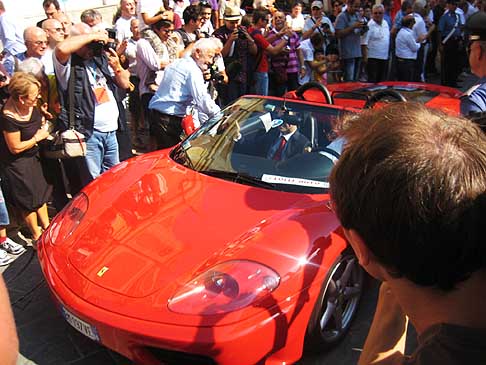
(268, 338)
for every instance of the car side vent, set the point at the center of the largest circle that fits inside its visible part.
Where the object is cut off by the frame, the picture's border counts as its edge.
(179, 358)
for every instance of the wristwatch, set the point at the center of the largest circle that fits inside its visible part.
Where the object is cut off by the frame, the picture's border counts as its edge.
(286, 37)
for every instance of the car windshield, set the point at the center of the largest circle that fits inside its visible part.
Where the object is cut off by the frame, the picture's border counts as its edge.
(269, 143)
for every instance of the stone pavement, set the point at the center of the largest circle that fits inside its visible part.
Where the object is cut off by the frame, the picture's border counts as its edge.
(45, 337)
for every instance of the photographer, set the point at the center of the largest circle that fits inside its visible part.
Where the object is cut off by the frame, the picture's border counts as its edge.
(97, 107)
(349, 29)
(317, 23)
(185, 89)
(238, 47)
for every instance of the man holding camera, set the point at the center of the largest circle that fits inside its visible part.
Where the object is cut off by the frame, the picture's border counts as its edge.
(317, 23)
(86, 66)
(238, 47)
(184, 88)
(349, 30)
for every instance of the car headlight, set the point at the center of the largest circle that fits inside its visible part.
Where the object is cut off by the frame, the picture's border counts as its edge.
(224, 288)
(64, 223)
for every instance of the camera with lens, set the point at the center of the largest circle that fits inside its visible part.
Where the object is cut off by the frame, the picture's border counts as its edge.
(325, 27)
(364, 28)
(216, 76)
(98, 46)
(241, 33)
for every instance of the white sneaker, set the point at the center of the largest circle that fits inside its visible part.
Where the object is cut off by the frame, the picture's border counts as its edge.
(5, 259)
(12, 247)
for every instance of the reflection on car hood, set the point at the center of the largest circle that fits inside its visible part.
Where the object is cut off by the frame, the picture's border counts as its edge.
(169, 224)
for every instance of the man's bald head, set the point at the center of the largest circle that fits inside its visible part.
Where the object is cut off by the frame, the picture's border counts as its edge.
(54, 31)
(36, 41)
(65, 21)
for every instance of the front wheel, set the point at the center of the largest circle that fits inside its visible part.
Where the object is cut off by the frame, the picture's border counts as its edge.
(337, 304)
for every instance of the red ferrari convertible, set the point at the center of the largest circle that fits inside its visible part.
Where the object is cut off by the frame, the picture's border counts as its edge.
(366, 95)
(214, 251)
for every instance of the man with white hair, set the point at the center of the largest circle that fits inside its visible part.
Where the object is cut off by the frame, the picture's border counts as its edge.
(377, 43)
(184, 87)
(36, 44)
(98, 110)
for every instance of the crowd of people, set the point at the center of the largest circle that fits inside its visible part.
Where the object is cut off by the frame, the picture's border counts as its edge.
(161, 61)
(146, 63)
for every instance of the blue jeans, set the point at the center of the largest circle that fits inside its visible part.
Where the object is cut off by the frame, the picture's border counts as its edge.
(351, 68)
(261, 83)
(101, 153)
(4, 221)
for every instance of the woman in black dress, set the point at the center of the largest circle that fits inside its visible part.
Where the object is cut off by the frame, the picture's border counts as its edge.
(23, 180)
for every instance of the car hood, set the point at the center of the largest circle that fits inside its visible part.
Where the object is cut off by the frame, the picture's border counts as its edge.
(167, 225)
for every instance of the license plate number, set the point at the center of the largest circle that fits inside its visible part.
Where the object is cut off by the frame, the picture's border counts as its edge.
(80, 325)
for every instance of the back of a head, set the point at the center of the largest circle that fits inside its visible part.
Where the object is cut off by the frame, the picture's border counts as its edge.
(192, 12)
(412, 182)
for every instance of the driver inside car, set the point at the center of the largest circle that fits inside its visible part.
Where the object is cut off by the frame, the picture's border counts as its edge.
(281, 142)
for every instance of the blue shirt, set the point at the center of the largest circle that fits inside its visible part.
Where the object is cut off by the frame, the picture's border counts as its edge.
(447, 22)
(474, 100)
(183, 86)
(350, 45)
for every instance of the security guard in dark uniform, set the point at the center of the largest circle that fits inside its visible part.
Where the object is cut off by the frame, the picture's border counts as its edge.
(473, 101)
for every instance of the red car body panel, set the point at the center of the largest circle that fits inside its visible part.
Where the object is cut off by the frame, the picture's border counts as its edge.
(143, 226)
(447, 98)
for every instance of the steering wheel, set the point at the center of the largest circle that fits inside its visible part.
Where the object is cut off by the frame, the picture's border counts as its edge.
(314, 85)
(382, 94)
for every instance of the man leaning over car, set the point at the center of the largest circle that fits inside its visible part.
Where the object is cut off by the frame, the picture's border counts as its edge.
(184, 88)
(409, 190)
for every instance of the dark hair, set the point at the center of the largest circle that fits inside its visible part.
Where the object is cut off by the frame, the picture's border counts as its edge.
(332, 49)
(192, 12)
(316, 40)
(260, 13)
(297, 2)
(412, 182)
(47, 3)
(162, 23)
(406, 5)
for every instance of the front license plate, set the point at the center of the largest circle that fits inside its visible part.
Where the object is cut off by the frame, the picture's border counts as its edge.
(83, 327)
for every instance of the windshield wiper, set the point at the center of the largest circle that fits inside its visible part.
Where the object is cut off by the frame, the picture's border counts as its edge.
(238, 177)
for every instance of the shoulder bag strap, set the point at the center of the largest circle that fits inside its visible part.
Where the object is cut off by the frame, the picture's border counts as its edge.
(71, 98)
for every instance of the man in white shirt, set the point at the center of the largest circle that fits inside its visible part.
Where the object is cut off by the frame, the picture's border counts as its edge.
(146, 10)
(55, 34)
(317, 22)
(184, 87)
(406, 49)
(122, 24)
(377, 43)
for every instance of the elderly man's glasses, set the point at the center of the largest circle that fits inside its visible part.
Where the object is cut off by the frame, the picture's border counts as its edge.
(377, 12)
(56, 29)
(39, 43)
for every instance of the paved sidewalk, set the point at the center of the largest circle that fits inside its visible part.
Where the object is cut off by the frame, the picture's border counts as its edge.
(45, 338)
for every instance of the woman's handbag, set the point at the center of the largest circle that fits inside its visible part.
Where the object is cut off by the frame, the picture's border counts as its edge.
(69, 143)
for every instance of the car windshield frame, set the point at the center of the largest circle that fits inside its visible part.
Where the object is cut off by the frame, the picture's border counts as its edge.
(238, 144)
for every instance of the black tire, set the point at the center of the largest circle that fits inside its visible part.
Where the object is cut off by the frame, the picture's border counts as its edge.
(343, 297)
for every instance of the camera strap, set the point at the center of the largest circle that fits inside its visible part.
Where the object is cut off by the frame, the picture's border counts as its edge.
(318, 28)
